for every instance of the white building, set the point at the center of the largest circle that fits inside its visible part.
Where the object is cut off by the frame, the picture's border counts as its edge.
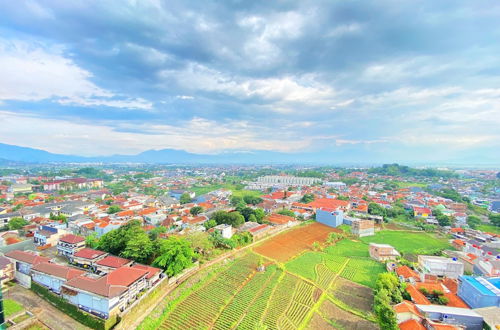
(441, 266)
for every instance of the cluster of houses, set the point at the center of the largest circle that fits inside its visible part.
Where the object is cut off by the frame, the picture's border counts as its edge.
(95, 281)
(441, 296)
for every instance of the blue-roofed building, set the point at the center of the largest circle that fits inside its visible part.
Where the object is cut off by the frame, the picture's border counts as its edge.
(479, 292)
(330, 217)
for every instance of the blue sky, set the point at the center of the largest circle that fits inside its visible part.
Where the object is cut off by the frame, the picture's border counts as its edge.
(386, 80)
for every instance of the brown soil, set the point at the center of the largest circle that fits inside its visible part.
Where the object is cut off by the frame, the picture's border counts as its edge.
(317, 322)
(287, 245)
(345, 319)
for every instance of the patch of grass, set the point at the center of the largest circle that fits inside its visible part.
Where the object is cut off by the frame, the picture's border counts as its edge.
(234, 189)
(489, 229)
(409, 242)
(345, 228)
(11, 307)
(402, 184)
(348, 248)
(21, 318)
(305, 265)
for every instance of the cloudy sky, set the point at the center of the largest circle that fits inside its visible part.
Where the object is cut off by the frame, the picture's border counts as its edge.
(397, 80)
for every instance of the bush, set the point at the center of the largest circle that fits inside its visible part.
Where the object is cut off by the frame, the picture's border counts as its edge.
(73, 311)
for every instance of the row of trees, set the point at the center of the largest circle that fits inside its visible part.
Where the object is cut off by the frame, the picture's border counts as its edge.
(132, 242)
(388, 291)
(400, 170)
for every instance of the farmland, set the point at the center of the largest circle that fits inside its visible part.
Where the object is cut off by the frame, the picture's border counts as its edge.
(287, 245)
(305, 292)
(408, 242)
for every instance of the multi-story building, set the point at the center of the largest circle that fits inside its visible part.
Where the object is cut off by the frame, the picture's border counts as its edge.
(47, 235)
(441, 266)
(330, 217)
(23, 262)
(53, 276)
(479, 292)
(362, 228)
(383, 252)
(69, 244)
(87, 258)
(110, 263)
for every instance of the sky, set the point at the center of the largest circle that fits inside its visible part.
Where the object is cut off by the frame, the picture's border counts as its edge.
(394, 80)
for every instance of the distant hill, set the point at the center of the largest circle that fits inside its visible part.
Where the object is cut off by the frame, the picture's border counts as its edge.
(31, 155)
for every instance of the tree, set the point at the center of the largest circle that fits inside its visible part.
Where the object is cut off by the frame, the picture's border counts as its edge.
(92, 241)
(473, 221)
(139, 248)
(155, 232)
(114, 209)
(17, 223)
(185, 198)
(175, 255)
(375, 209)
(286, 212)
(195, 210)
(343, 198)
(236, 200)
(234, 219)
(307, 198)
(259, 215)
(201, 243)
(495, 219)
(252, 218)
(210, 224)
(249, 199)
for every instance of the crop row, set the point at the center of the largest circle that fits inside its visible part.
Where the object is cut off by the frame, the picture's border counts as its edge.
(280, 299)
(241, 300)
(325, 276)
(256, 311)
(200, 308)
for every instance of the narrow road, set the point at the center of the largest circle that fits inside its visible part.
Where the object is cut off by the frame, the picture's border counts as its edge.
(43, 310)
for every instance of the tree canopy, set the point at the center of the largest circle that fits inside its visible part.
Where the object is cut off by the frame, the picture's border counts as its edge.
(234, 219)
(195, 210)
(114, 209)
(307, 198)
(174, 255)
(185, 198)
(17, 223)
(401, 170)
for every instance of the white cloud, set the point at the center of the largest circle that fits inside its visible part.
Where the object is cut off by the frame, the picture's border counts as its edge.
(34, 73)
(196, 135)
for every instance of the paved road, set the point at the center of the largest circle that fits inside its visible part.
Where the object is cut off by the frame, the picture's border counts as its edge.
(44, 311)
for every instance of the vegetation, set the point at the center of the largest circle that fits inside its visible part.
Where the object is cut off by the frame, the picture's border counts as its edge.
(174, 255)
(495, 219)
(195, 210)
(234, 219)
(409, 242)
(286, 212)
(114, 209)
(388, 291)
(405, 171)
(473, 221)
(185, 198)
(17, 223)
(11, 307)
(307, 198)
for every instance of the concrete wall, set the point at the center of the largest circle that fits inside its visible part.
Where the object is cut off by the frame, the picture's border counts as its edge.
(332, 219)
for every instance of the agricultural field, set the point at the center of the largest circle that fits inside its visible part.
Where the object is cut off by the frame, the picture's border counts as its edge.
(291, 243)
(408, 242)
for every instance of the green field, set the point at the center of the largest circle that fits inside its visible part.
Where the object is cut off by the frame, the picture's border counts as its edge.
(489, 229)
(402, 184)
(234, 189)
(409, 242)
(11, 307)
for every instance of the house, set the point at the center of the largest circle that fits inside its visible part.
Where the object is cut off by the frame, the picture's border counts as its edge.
(69, 244)
(362, 228)
(6, 270)
(23, 262)
(53, 276)
(383, 252)
(479, 292)
(106, 295)
(407, 274)
(463, 317)
(259, 231)
(110, 263)
(421, 212)
(329, 217)
(153, 274)
(441, 266)
(279, 219)
(47, 235)
(405, 311)
(87, 257)
(225, 230)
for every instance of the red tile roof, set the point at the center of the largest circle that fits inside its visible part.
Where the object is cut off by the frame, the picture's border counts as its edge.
(411, 324)
(125, 276)
(152, 271)
(72, 239)
(417, 296)
(99, 286)
(64, 272)
(113, 262)
(407, 307)
(279, 219)
(406, 272)
(26, 257)
(88, 253)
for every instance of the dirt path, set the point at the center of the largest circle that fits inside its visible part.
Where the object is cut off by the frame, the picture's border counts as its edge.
(43, 310)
